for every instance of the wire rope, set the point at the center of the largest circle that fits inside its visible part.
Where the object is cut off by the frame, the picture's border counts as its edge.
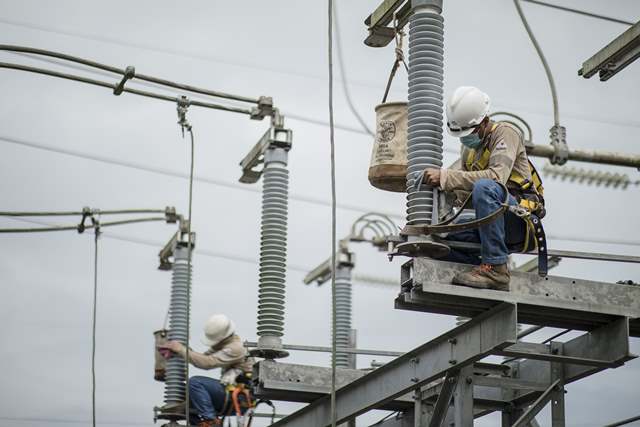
(189, 273)
(334, 320)
(545, 64)
(297, 197)
(94, 82)
(76, 227)
(343, 72)
(120, 71)
(183, 54)
(75, 213)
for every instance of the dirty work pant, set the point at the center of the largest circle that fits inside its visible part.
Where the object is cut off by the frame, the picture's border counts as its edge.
(207, 398)
(508, 229)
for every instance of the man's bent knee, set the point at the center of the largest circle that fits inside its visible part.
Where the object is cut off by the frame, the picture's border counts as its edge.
(486, 189)
(197, 381)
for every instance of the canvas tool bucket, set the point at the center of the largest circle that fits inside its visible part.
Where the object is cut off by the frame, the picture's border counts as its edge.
(160, 338)
(388, 165)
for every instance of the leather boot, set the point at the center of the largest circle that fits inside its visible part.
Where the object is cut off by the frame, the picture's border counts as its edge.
(485, 276)
(210, 423)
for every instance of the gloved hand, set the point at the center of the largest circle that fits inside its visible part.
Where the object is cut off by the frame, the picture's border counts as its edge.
(169, 348)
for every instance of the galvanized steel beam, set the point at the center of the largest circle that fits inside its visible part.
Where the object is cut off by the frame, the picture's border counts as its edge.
(441, 407)
(455, 349)
(550, 301)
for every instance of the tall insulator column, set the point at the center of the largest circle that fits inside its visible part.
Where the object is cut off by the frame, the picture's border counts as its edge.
(426, 76)
(343, 314)
(273, 251)
(175, 382)
(424, 141)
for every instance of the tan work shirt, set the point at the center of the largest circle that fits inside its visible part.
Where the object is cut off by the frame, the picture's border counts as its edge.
(507, 153)
(230, 355)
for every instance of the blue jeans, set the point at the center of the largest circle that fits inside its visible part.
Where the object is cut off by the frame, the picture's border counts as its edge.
(207, 398)
(487, 196)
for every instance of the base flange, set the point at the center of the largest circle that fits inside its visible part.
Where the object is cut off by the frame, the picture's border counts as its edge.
(420, 248)
(268, 353)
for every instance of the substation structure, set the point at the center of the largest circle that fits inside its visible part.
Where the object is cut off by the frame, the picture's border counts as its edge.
(445, 381)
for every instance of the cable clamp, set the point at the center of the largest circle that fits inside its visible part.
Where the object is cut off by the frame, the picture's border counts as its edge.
(129, 73)
(182, 108)
(171, 215)
(86, 213)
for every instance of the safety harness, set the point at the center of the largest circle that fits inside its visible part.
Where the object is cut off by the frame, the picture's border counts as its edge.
(239, 399)
(529, 192)
(530, 208)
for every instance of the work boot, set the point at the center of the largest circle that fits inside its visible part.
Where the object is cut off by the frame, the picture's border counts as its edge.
(485, 276)
(210, 423)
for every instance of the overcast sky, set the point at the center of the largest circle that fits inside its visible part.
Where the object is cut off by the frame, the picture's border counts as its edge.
(277, 48)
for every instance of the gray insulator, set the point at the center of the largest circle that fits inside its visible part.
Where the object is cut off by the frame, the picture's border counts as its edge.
(175, 380)
(273, 245)
(424, 147)
(343, 314)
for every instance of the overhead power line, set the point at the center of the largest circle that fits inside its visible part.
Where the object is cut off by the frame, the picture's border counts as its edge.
(343, 72)
(360, 278)
(248, 188)
(580, 12)
(207, 58)
(177, 174)
(545, 64)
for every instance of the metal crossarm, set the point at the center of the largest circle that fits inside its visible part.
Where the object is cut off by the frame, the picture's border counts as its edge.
(455, 349)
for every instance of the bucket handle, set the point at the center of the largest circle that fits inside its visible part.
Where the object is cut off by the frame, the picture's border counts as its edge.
(399, 36)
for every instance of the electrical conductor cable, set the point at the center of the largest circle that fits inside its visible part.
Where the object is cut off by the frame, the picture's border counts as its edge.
(545, 64)
(96, 233)
(333, 218)
(343, 72)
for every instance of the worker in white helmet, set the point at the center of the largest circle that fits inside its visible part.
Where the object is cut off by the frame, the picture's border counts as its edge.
(493, 158)
(209, 397)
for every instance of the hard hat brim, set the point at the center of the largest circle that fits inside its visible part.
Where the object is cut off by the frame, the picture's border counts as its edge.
(460, 133)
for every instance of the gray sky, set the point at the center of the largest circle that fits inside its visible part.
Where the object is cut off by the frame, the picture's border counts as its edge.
(276, 49)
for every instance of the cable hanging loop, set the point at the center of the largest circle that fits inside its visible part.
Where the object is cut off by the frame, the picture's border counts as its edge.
(399, 38)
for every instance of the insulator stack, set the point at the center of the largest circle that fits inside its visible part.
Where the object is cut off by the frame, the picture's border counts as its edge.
(589, 177)
(343, 314)
(175, 382)
(426, 74)
(273, 252)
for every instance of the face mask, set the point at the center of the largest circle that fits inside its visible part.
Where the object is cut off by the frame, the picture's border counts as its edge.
(471, 141)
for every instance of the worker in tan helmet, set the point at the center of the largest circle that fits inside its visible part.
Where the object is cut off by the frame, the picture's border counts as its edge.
(209, 397)
(492, 161)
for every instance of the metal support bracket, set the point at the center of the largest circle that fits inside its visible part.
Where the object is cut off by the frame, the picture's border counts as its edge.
(615, 56)
(263, 109)
(180, 238)
(273, 137)
(537, 406)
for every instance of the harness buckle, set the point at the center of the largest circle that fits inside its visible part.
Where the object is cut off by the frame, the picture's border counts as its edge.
(519, 211)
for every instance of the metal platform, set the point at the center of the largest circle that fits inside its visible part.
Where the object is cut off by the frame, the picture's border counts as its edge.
(547, 301)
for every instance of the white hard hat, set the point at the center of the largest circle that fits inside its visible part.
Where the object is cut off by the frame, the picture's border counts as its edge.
(466, 108)
(217, 328)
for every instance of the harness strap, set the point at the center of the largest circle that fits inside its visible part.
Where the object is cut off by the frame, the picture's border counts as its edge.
(541, 243)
